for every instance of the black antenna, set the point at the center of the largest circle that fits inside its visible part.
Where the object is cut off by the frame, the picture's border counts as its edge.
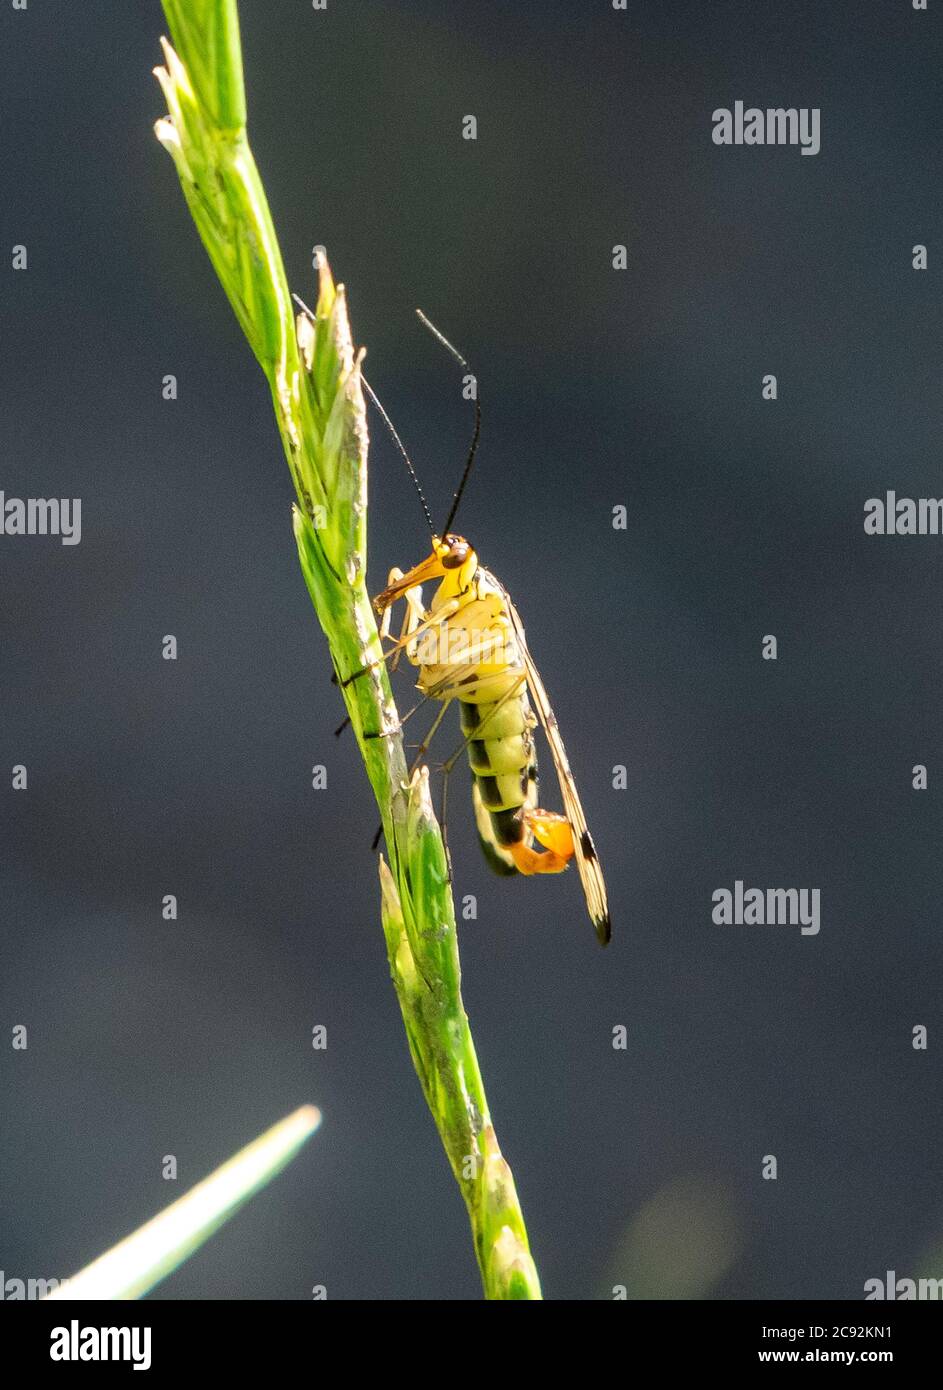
(474, 444)
(402, 448)
(390, 426)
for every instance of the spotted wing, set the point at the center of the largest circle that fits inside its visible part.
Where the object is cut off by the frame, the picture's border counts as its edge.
(594, 887)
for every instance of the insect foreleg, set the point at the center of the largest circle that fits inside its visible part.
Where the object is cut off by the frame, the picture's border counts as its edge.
(394, 576)
(412, 617)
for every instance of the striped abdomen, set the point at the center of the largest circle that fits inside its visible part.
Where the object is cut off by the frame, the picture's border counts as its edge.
(504, 771)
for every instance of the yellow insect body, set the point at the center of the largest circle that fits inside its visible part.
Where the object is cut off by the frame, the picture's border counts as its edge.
(469, 646)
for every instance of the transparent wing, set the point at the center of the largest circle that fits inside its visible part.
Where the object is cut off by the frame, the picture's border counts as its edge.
(594, 886)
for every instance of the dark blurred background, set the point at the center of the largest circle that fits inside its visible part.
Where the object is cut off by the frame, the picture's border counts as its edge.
(599, 387)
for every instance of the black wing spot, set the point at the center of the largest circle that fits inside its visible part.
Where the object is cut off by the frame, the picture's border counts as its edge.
(587, 846)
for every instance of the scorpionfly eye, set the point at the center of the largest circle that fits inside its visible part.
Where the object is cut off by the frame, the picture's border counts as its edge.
(458, 552)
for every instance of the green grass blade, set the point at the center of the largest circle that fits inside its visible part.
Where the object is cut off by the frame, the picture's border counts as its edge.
(143, 1259)
(314, 377)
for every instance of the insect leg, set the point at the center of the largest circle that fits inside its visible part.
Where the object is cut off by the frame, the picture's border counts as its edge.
(424, 746)
(477, 732)
(388, 733)
(394, 575)
(421, 751)
(414, 609)
(433, 620)
(411, 620)
(412, 617)
(443, 823)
